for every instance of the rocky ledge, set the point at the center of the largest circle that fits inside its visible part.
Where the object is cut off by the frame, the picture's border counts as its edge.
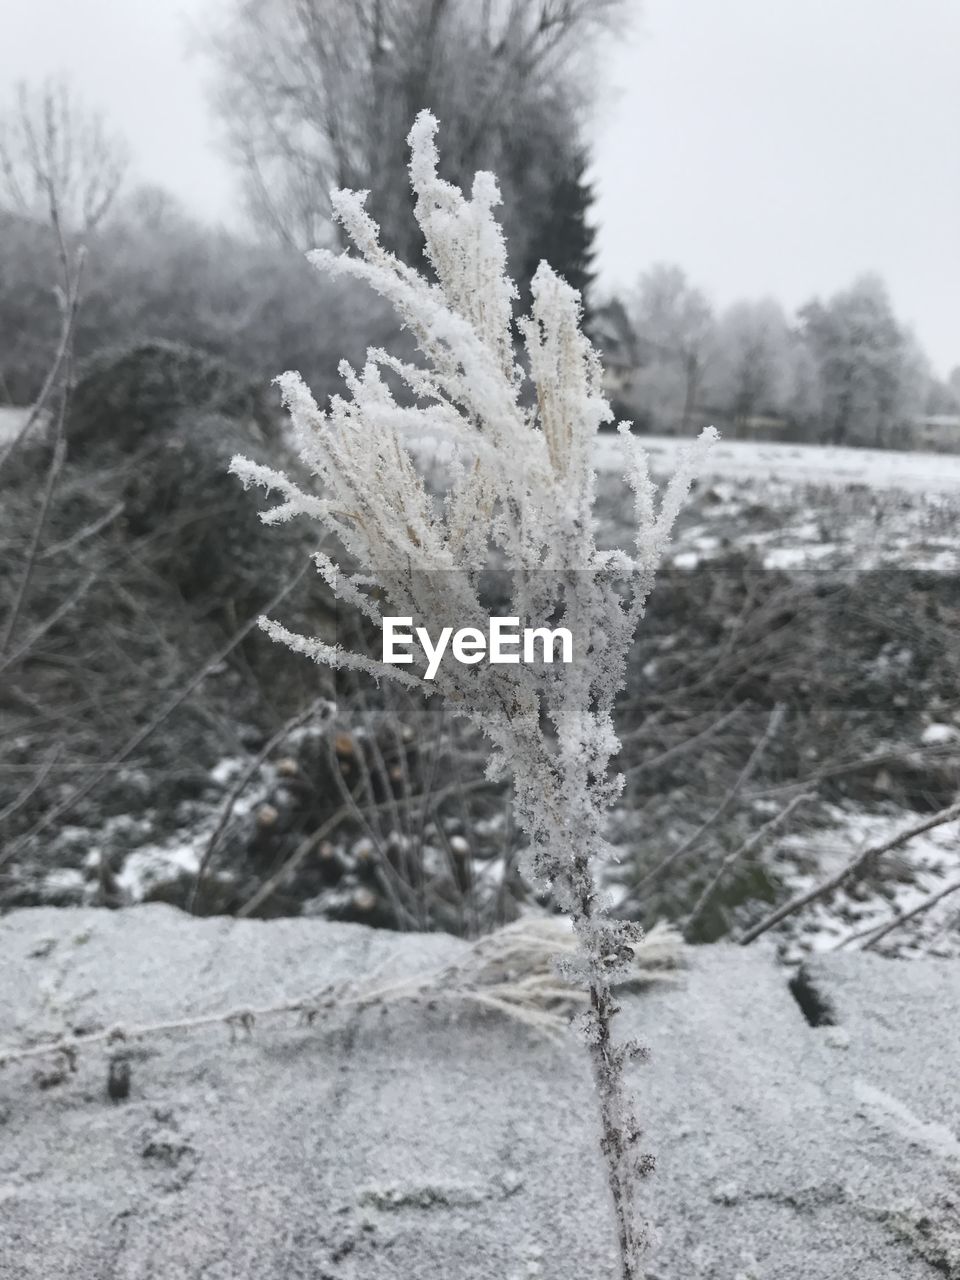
(804, 1128)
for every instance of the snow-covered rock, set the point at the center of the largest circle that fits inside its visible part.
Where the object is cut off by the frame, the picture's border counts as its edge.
(426, 1144)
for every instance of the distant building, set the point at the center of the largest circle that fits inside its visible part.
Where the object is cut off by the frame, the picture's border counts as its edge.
(613, 335)
(760, 426)
(938, 431)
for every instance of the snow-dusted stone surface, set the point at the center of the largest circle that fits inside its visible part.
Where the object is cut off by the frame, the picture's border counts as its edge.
(408, 1145)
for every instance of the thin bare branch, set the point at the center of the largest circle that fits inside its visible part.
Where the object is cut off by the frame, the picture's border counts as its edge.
(850, 870)
(773, 726)
(35, 783)
(904, 916)
(284, 732)
(59, 810)
(745, 850)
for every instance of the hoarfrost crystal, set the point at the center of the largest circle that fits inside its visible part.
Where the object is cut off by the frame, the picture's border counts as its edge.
(519, 496)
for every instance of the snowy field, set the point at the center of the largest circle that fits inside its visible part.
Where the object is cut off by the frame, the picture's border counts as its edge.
(799, 464)
(795, 464)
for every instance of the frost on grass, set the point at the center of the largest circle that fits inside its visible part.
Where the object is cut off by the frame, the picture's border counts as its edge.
(519, 496)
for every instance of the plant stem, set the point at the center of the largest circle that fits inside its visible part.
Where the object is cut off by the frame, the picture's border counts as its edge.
(608, 1082)
(618, 1128)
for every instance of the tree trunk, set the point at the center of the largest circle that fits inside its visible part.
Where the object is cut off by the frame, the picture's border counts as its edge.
(691, 370)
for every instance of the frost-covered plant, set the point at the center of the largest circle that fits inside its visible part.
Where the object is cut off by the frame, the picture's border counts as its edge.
(520, 497)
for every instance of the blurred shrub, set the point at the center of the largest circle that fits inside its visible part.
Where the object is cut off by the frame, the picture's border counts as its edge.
(124, 397)
(28, 311)
(153, 273)
(202, 537)
(150, 559)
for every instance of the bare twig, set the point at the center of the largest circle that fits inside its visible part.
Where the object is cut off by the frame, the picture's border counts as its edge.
(681, 748)
(63, 608)
(81, 535)
(510, 971)
(773, 725)
(69, 306)
(295, 722)
(300, 853)
(393, 884)
(143, 733)
(902, 917)
(935, 754)
(737, 855)
(337, 819)
(53, 474)
(328, 999)
(37, 781)
(849, 870)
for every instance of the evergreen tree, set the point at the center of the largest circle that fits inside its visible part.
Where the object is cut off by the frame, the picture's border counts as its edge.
(565, 237)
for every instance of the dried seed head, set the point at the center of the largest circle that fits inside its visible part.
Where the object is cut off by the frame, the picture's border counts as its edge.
(267, 817)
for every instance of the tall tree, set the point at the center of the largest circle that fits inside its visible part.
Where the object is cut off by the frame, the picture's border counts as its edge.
(566, 236)
(675, 321)
(319, 94)
(59, 162)
(752, 359)
(871, 374)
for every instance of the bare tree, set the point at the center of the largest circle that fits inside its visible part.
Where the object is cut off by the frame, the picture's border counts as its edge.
(58, 161)
(753, 359)
(316, 94)
(675, 322)
(870, 371)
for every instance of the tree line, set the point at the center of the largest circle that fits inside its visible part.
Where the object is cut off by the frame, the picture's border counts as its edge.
(314, 94)
(842, 370)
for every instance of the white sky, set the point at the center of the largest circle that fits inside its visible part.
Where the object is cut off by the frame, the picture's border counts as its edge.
(767, 146)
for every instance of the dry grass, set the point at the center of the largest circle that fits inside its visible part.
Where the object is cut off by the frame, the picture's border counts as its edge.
(510, 972)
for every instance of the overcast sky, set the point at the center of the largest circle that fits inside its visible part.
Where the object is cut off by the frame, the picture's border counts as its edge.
(769, 147)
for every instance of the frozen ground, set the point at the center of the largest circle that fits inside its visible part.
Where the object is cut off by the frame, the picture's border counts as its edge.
(909, 877)
(807, 517)
(792, 507)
